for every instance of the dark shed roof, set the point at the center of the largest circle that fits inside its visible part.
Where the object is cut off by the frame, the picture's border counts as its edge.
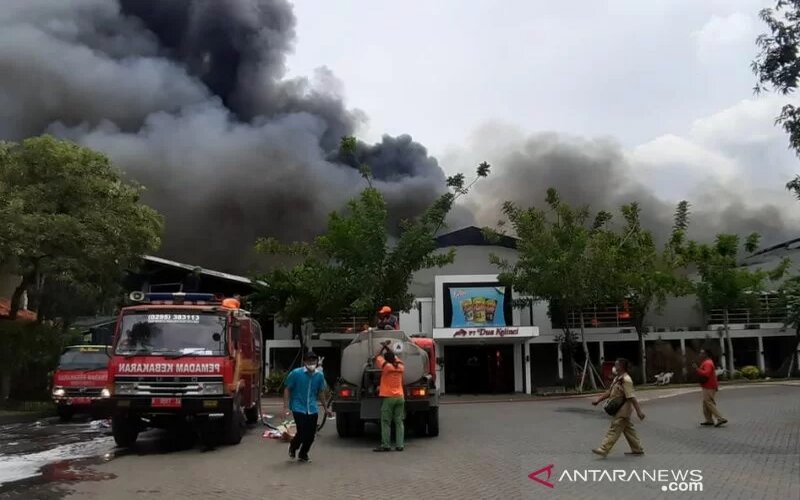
(473, 236)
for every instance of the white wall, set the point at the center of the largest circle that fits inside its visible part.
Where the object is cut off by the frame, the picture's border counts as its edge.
(468, 260)
(410, 321)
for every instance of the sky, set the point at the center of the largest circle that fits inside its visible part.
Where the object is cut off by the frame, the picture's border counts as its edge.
(609, 102)
(668, 80)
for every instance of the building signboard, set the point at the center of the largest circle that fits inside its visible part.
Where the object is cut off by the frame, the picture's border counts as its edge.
(481, 332)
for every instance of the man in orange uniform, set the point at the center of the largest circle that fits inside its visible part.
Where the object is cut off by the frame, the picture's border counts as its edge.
(708, 381)
(393, 408)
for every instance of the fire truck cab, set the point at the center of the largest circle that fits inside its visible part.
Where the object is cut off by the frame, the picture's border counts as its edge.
(79, 382)
(184, 357)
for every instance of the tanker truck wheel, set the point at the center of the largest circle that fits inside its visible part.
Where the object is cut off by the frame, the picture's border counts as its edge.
(343, 425)
(433, 421)
(349, 424)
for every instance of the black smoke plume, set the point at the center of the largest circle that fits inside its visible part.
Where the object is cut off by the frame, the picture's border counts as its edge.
(190, 98)
(599, 174)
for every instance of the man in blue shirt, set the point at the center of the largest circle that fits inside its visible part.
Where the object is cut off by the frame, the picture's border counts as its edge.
(304, 387)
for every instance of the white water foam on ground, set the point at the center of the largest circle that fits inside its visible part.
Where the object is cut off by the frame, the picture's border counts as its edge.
(17, 467)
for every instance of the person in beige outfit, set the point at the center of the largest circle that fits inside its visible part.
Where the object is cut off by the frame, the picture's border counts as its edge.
(621, 390)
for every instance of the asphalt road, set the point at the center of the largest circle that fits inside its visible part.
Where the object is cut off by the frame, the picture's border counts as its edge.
(484, 450)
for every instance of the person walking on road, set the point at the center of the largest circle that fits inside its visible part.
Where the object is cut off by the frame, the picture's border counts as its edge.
(393, 407)
(708, 381)
(621, 401)
(304, 388)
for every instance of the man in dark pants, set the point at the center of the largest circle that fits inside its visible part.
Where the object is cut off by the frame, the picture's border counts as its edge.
(304, 387)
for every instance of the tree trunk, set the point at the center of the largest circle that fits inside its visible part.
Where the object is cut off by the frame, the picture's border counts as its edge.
(642, 354)
(729, 344)
(16, 298)
(586, 353)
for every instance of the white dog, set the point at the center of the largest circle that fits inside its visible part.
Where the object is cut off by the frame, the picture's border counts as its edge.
(664, 378)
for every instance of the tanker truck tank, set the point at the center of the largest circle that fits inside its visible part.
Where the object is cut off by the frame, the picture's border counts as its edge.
(357, 400)
(358, 355)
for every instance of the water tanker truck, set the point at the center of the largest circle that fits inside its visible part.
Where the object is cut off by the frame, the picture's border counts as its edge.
(356, 400)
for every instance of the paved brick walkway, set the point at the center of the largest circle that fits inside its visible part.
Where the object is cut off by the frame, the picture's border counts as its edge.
(487, 451)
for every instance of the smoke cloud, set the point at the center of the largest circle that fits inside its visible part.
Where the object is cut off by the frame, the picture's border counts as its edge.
(190, 99)
(599, 173)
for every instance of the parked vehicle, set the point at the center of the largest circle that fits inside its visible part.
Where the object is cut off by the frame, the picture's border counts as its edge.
(356, 399)
(80, 380)
(185, 358)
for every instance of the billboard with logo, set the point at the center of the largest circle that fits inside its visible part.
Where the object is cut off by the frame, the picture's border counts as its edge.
(477, 306)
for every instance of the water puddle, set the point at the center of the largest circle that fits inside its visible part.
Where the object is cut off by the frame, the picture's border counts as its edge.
(44, 452)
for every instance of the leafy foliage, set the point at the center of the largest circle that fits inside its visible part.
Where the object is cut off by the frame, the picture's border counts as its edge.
(68, 216)
(352, 267)
(751, 372)
(777, 66)
(31, 349)
(790, 299)
(565, 255)
(724, 283)
(647, 275)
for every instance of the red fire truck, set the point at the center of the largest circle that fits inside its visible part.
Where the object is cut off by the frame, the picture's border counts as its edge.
(79, 383)
(181, 357)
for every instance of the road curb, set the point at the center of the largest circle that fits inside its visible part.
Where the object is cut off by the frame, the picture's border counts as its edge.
(647, 394)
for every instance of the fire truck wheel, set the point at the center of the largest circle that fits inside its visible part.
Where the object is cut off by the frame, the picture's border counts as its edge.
(125, 430)
(252, 415)
(64, 413)
(433, 421)
(234, 424)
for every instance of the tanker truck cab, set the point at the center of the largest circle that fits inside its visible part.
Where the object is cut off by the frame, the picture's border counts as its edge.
(181, 358)
(79, 382)
(356, 399)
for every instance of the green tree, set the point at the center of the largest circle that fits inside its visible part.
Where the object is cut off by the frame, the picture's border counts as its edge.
(70, 217)
(566, 256)
(789, 293)
(777, 67)
(352, 266)
(646, 275)
(726, 284)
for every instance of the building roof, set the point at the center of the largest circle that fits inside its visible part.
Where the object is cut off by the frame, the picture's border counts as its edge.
(473, 236)
(189, 267)
(788, 248)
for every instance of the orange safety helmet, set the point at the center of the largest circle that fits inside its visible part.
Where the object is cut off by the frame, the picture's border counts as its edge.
(385, 310)
(231, 303)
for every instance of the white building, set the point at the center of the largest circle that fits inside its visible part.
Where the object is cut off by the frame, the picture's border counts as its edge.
(518, 349)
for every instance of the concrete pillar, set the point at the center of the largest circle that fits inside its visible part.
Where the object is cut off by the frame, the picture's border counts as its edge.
(602, 353)
(519, 367)
(797, 361)
(724, 355)
(267, 358)
(761, 365)
(528, 381)
(683, 357)
(561, 363)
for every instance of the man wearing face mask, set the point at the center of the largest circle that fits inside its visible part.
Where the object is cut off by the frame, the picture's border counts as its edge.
(304, 390)
(621, 391)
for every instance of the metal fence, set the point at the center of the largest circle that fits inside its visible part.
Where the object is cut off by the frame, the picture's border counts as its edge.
(768, 310)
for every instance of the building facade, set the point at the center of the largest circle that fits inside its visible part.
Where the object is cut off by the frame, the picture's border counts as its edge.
(520, 349)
